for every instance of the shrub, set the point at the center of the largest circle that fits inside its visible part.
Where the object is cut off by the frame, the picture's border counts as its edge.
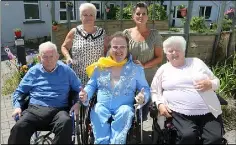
(198, 24)
(226, 71)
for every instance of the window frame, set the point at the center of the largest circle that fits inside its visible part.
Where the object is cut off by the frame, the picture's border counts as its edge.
(100, 8)
(204, 13)
(32, 3)
(64, 10)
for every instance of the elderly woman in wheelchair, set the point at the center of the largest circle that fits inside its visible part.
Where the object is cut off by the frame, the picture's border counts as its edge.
(183, 91)
(116, 79)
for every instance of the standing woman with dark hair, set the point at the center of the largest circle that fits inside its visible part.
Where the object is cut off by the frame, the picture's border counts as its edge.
(145, 44)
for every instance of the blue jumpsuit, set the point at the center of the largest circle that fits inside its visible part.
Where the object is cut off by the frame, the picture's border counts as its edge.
(117, 102)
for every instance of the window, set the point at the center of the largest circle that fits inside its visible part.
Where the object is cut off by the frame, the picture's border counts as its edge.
(98, 7)
(31, 8)
(165, 7)
(112, 5)
(63, 16)
(125, 5)
(205, 11)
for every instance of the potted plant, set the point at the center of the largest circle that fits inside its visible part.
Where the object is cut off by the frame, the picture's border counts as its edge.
(69, 6)
(183, 10)
(17, 32)
(54, 25)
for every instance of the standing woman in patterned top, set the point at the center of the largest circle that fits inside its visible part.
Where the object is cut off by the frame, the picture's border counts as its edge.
(145, 44)
(86, 42)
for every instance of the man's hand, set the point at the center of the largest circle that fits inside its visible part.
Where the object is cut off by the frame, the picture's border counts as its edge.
(140, 97)
(164, 110)
(75, 108)
(17, 111)
(203, 85)
(83, 95)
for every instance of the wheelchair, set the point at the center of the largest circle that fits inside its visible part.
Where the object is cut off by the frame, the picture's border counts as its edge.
(37, 137)
(85, 132)
(168, 135)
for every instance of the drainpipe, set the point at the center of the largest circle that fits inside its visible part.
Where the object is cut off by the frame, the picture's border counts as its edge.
(53, 18)
(218, 33)
(187, 23)
(232, 32)
(169, 15)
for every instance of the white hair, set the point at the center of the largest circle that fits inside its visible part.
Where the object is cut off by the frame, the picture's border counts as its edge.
(85, 6)
(174, 41)
(47, 45)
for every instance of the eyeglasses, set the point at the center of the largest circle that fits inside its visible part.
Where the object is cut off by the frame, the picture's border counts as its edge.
(173, 51)
(87, 15)
(115, 47)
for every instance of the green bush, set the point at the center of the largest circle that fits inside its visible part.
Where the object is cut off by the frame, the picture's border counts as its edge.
(198, 24)
(159, 12)
(226, 71)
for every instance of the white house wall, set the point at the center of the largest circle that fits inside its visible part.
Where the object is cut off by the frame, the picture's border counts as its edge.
(13, 16)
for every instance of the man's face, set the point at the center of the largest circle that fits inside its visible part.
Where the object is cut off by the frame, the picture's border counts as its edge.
(49, 58)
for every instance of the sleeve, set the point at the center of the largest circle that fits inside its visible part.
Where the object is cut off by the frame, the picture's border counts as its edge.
(142, 83)
(24, 88)
(156, 87)
(158, 43)
(75, 82)
(91, 86)
(214, 80)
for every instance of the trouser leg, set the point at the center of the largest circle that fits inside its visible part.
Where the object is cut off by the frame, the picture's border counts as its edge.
(212, 129)
(33, 119)
(101, 128)
(121, 124)
(187, 132)
(62, 127)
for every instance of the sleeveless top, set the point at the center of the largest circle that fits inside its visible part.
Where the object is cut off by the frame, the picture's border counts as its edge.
(144, 50)
(86, 49)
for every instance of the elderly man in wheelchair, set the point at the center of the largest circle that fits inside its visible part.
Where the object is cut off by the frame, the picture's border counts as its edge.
(116, 79)
(183, 92)
(47, 84)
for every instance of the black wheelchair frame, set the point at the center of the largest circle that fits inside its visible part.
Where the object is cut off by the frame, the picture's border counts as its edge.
(46, 139)
(168, 134)
(85, 133)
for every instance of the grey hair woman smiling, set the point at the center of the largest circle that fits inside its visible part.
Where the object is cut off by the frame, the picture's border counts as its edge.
(183, 88)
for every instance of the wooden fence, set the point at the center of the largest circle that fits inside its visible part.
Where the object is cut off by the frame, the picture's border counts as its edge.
(200, 45)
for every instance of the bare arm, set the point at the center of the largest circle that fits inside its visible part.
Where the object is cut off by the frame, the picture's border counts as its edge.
(67, 44)
(156, 60)
(106, 41)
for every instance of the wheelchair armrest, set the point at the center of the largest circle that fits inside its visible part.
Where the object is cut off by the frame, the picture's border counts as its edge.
(222, 100)
(153, 110)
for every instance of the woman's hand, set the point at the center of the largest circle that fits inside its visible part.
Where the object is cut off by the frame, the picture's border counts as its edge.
(203, 85)
(164, 110)
(69, 60)
(140, 97)
(138, 62)
(83, 95)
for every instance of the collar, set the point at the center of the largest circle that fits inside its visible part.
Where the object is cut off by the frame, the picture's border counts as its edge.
(41, 66)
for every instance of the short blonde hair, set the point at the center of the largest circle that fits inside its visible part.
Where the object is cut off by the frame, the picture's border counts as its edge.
(85, 6)
(177, 41)
(47, 45)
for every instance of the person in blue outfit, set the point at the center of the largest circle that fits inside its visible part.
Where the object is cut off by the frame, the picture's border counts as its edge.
(115, 78)
(48, 84)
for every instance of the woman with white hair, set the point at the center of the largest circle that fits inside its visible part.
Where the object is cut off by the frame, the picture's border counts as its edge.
(86, 42)
(183, 88)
